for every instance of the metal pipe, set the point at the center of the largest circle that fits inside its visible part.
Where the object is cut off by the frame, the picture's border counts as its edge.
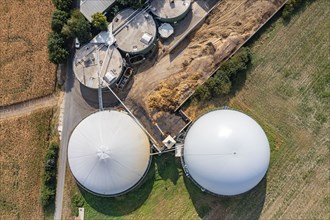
(99, 87)
(135, 119)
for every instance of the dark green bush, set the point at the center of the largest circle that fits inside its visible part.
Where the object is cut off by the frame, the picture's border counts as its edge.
(203, 93)
(221, 82)
(77, 26)
(49, 177)
(47, 196)
(59, 19)
(63, 5)
(100, 21)
(291, 6)
(77, 201)
(57, 53)
(132, 3)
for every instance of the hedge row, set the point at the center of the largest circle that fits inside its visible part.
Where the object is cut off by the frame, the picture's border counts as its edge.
(77, 201)
(49, 178)
(293, 5)
(222, 80)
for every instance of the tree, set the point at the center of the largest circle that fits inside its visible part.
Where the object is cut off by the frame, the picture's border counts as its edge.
(290, 7)
(59, 19)
(57, 53)
(47, 196)
(220, 85)
(222, 81)
(203, 93)
(132, 3)
(100, 21)
(63, 5)
(77, 26)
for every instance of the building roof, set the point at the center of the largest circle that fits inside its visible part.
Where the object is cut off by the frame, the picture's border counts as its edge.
(96, 57)
(90, 7)
(165, 30)
(108, 153)
(167, 9)
(104, 37)
(134, 30)
(226, 152)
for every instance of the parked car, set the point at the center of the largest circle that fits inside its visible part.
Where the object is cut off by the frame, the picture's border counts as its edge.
(76, 43)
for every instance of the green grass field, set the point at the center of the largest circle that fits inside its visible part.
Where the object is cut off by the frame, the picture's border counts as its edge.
(287, 91)
(165, 192)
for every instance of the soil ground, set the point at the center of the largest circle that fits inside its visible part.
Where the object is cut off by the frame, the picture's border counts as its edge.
(25, 70)
(161, 87)
(175, 77)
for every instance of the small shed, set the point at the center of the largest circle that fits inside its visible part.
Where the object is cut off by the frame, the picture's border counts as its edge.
(165, 30)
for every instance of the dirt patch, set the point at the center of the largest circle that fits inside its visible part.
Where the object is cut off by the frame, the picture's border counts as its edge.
(25, 70)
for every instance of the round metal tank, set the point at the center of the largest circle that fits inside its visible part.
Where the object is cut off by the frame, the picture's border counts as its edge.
(95, 58)
(170, 10)
(135, 31)
(226, 152)
(108, 153)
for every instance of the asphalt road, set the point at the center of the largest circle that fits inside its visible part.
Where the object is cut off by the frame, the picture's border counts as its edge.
(75, 109)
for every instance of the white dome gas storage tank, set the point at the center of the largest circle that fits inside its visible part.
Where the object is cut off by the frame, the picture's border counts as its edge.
(108, 153)
(226, 152)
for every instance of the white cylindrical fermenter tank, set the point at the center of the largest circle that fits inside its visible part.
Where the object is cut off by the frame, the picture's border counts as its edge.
(226, 152)
(108, 153)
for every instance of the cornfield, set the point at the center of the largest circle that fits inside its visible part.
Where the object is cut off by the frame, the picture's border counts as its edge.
(25, 70)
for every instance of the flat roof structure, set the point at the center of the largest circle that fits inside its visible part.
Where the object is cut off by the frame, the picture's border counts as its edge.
(97, 59)
(135, 31)
(109, 153)
(226, 152)
(90, 7)
(170, 10)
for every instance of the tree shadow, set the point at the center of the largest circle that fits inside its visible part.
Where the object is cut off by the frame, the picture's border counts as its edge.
(124, 204)
(167, 167)
(68, 72)
(248, 205)
(300, 8)
(239, 80)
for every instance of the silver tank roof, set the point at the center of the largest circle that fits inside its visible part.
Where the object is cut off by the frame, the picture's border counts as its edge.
(166, 9)
(134, 30)
(108, 153)
(97, 59)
